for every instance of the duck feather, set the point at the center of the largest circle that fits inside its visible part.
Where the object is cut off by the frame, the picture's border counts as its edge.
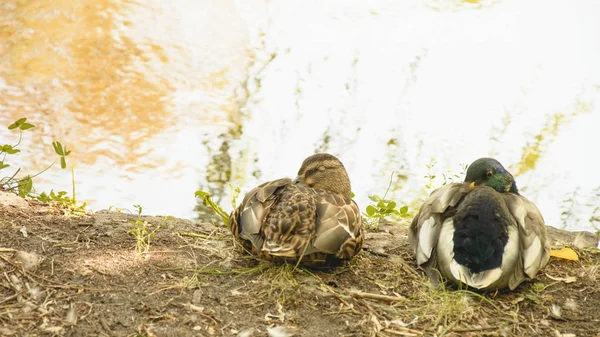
(281, 219)
(522, 259)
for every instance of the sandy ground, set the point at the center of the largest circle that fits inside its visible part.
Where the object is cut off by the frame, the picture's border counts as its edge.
(66, 275)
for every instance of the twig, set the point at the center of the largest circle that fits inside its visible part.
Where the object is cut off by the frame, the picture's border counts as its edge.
(378, 297)
(475, 329)
(401, 333)
(2, 250)
(9, 298)
(199, 311)
(194, 235)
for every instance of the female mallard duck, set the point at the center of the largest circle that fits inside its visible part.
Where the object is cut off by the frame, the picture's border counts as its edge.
(312, 219)
(482, 232)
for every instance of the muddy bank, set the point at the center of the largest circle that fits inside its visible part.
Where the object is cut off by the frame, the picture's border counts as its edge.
(88, 275)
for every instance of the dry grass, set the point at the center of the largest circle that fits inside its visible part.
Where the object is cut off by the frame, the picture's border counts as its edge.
(90, 280)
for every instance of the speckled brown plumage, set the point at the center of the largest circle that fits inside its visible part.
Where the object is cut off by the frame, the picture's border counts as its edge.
(285, 220)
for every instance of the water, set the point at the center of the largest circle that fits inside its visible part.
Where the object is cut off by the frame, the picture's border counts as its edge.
(159, 100)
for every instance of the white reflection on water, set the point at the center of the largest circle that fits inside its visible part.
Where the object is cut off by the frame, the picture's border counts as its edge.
(437, 79)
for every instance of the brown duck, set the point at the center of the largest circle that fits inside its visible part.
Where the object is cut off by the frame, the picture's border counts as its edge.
(312, 219)
(481, 232)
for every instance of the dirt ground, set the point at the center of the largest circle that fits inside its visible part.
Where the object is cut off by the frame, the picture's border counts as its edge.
(65, 275)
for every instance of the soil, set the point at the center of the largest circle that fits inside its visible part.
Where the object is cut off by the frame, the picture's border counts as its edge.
(67, 275)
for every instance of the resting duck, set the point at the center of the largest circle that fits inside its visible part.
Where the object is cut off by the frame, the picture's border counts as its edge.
(481, 232)
(311, 220)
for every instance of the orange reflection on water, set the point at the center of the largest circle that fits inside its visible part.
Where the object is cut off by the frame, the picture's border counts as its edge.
(73, 62)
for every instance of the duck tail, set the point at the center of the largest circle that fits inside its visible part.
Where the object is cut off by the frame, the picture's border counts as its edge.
(481, 230)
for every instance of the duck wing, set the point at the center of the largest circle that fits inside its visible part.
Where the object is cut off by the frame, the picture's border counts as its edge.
(424, 231)
(533, 238)
(338, 226)
(292, 221)
(247, 220)
(290, 224)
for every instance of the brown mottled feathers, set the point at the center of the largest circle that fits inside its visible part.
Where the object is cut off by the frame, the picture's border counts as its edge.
(284, 221)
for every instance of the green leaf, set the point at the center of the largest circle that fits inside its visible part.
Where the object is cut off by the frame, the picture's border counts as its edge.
(201, 194)
(404, 210)
(391, 205)
(138, 208)
(17, 124)
(26, 126)
(2, 165)
(381, 204)
(352, 195)
(9, 149)
(371, 210)
(25, 186)
(374, 198)
(58, 148)
(43, 198)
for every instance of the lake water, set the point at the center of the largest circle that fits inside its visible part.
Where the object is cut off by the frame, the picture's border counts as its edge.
(157, 100)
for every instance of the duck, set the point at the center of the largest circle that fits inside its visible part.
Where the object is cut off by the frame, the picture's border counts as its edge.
(481, 232)
(311, 220)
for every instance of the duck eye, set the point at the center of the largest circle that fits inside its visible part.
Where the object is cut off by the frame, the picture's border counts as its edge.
(488, 174)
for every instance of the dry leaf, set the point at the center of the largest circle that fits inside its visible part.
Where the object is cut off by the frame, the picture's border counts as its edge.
(565, 253)
(283, 331)
(569, 279)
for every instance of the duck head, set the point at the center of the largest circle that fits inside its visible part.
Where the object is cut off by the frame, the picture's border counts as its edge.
(489, 172)
(326, 172)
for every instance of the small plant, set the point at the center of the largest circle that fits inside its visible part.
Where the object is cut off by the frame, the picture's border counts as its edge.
(235, 192)
(430, 176)
(381, 207)
(24, 186)
(208, 202)
(61, 200)
(535, 293)
(450, 177)
(141, 233)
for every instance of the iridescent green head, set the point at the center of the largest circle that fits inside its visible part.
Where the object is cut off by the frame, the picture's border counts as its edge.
(489, 171)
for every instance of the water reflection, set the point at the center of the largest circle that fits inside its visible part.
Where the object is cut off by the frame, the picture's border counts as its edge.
(157, 99)
(63, 56)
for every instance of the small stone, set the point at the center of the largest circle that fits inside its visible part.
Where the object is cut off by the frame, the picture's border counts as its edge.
(71, 318)
(283, 331)
(197, 297)
(582, 239)
(556, 311)
(585, 240)
(246, 333)
(379, 251)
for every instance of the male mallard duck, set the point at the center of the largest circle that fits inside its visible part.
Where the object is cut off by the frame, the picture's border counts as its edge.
(312, 218)
(481, 232)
